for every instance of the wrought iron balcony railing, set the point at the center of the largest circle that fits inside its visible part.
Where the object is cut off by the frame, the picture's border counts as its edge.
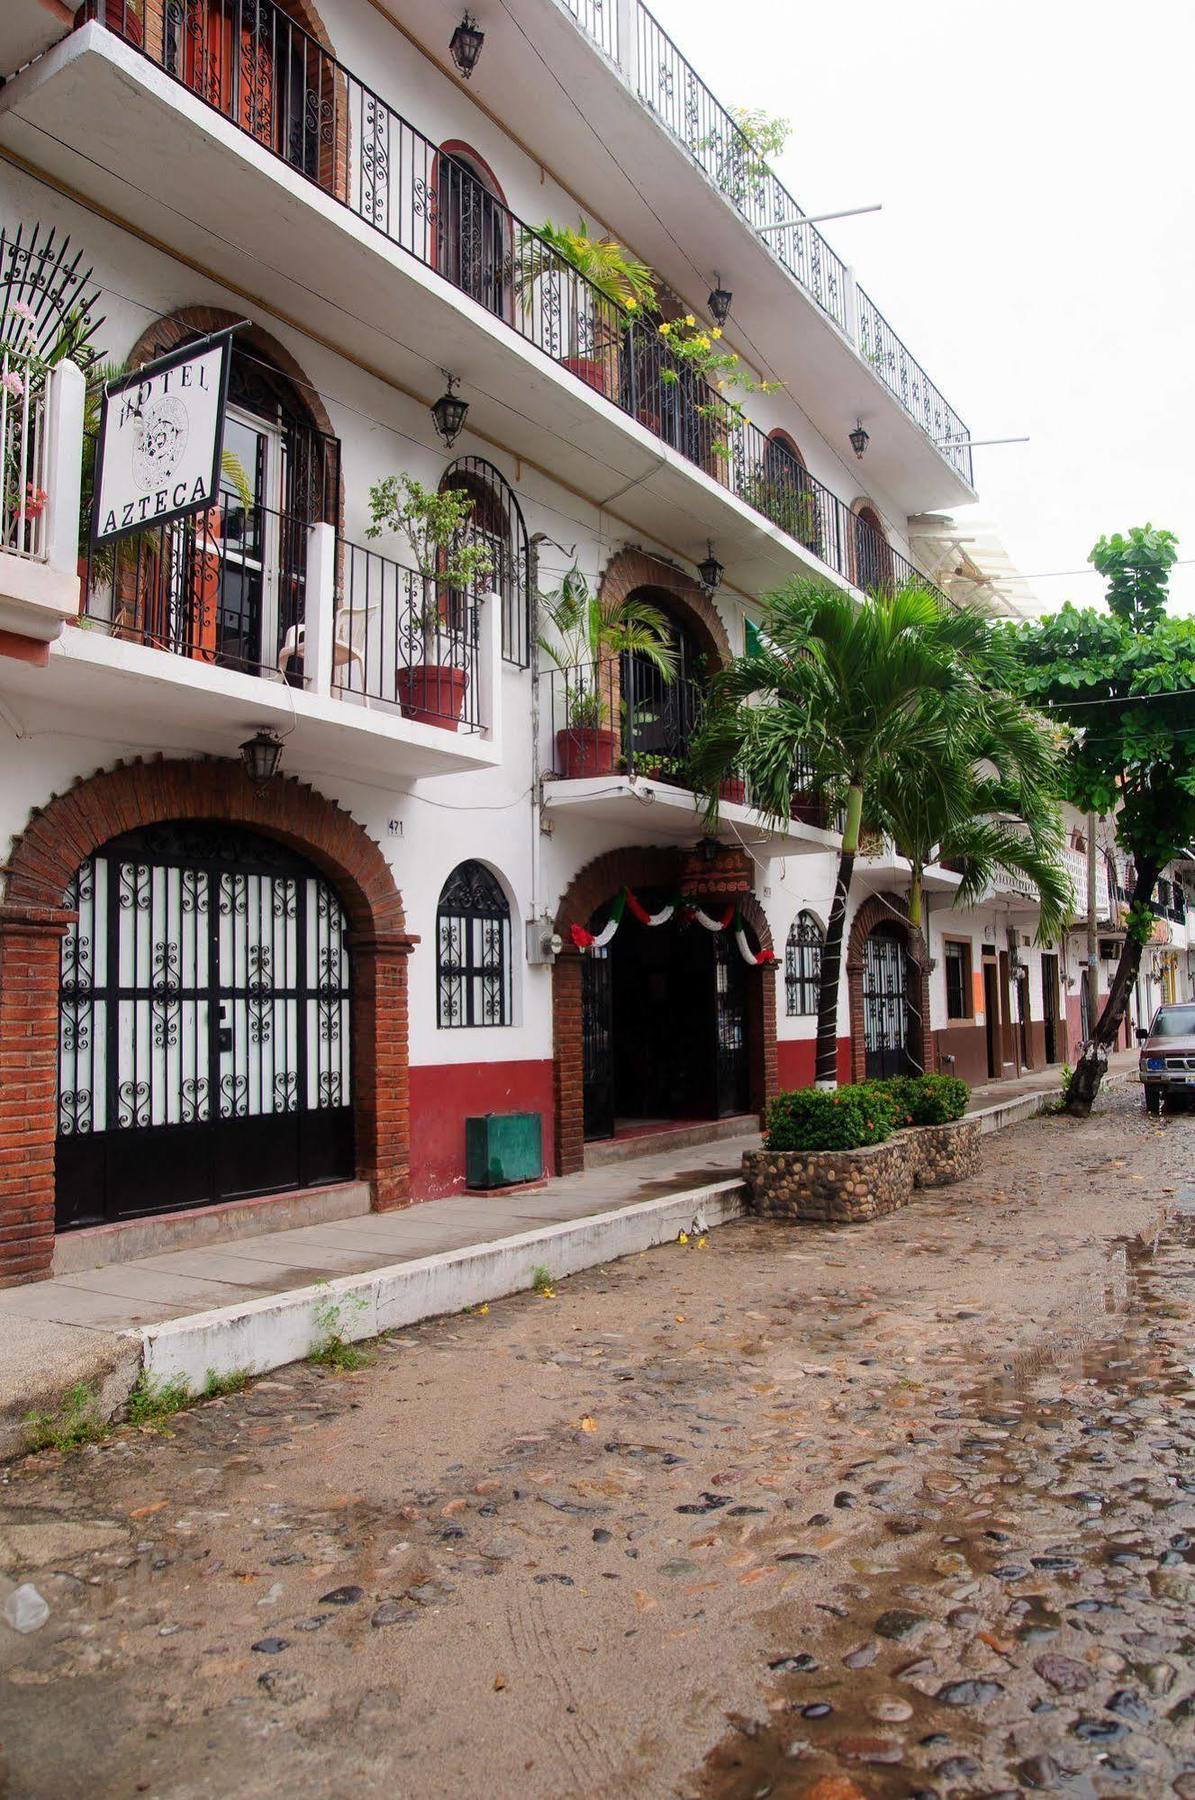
(669, 86)
(404, 640)
(23, 458)
(278, 85)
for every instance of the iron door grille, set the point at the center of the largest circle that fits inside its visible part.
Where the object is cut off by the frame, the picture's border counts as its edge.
(730, 1000)
(204, 1042)
(885, 1004)
(597, 1039)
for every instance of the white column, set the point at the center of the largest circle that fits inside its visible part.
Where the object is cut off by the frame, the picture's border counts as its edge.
(851, 307)
(67, 390)
(319, 608)
(489, 667)
(627, 15)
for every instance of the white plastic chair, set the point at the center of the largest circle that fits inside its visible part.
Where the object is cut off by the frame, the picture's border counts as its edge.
(350, 632)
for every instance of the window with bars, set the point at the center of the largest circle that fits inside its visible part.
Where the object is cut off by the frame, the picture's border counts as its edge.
(803, 965)
(958, 979)
(473, 963)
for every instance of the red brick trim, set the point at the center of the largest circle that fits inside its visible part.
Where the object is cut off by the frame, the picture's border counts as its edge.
(33, 919)
(638, 867)
(886, 909)
(631, 569)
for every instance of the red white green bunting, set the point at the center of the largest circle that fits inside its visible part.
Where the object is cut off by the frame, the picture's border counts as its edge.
(731, 919)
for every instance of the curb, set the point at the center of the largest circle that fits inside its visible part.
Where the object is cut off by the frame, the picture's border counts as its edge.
(281, 1328)
(1027, 1106)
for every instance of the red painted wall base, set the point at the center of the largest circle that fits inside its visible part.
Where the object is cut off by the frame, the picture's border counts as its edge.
(796, 1059)
(444, 1095)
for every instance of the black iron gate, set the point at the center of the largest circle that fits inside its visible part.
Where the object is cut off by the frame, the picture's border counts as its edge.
(597, 1038)
(203, 1026)
(885, 1003)
(730, 1011)
(1049, 1001)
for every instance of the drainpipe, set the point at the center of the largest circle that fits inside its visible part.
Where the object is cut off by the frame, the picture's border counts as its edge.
(537, 780)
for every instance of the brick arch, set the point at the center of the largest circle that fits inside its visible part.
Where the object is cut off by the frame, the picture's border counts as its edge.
(34, 919)
(638, 866)
(631, 569)
(886, 909)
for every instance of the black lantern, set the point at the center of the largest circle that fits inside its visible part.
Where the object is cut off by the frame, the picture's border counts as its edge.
(449, 413)
(719, 305)
(711, 572)
(707, 849)
(465, 45)
(859, 439)
(261, 755)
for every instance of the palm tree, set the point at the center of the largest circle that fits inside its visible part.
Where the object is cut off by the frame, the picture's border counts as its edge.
(592, 627)
(845, 688)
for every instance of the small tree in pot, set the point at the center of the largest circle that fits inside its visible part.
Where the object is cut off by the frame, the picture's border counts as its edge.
(447, 567)
(591, 631)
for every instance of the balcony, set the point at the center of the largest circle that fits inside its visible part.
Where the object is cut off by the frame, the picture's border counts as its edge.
(41, 426)
(679, 101)
(618, 752)
(279, 160)
(27, 27)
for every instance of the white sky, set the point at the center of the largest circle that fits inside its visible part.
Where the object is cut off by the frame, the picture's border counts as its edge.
(1036, 251)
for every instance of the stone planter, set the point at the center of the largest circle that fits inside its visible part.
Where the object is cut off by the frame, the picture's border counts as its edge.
(944, 1153)
(831, 1187)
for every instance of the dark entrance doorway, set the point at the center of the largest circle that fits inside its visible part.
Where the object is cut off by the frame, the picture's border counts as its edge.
(664, 1026)
(885, 1003)
(991, 1014)
(1049, 1005)
(203, 1026)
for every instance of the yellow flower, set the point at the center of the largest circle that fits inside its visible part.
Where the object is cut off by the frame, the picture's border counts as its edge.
(717, 331)
(701, 1243)
(682, 1237)
(703, 342)
(632, 305)
(689, 319)
(665, 329)
(484, 1307)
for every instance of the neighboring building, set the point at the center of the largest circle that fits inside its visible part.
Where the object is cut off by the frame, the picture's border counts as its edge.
(968, 560)
(214, 988)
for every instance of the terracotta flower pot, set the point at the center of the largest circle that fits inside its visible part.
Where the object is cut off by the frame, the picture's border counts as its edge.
(599, 373)
(733, 789)
(433, 694)
(584, 750)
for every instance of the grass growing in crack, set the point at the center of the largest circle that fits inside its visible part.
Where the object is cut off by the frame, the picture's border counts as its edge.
(541, 1281)
(153, 1402)
(331, 1349)
(75, 1421)
(215, 1386)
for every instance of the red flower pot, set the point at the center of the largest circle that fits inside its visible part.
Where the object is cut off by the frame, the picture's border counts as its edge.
(584, 750)
(595, 371)
(433, 694)
(733, 789)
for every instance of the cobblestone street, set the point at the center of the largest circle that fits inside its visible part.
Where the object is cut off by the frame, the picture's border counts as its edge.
(895, 1511)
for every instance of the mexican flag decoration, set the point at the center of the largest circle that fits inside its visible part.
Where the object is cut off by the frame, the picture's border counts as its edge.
(730, 920)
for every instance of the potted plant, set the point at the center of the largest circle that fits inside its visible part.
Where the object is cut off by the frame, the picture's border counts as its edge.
(591, 630)
(616, 287)
(432, 691)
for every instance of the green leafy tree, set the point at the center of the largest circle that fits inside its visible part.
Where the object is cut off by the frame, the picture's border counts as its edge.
(839, 688)
(590, 628)
(1124, 681)
(435, 525)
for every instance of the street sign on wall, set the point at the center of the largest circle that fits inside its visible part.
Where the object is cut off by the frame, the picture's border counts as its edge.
(161, 435)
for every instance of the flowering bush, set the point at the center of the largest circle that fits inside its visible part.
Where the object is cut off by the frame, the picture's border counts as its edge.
(929, 1099)
(845, 1118)
(694, 346)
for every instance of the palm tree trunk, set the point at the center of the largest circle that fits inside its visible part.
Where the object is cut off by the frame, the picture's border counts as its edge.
(826, 1073)
(1092, 1064)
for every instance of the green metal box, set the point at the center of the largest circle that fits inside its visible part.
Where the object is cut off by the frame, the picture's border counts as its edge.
(502, 1149)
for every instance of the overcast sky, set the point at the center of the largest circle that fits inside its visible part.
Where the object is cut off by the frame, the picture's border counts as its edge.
(1036, 251)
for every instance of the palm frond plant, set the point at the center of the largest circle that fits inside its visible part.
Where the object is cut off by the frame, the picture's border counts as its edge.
(839, 688)
(605, 264)
(590, 630)
(593, 313)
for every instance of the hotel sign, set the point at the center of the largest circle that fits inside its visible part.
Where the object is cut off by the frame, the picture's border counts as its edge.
(161, 436)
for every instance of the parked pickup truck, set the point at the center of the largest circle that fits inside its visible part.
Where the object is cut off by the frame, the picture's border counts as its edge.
(1168, 1055)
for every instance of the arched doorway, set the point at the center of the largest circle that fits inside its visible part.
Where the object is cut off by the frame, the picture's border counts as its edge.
(473, 239)
(885, 1003)
(496, 520)
(871, 559)
(228, 586)
(668, 1023)
(203, 1025)
(35, 918)
(660, 713)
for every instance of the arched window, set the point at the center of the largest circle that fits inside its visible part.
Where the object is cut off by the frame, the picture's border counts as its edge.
(496, 520)
(473, 247)
(786, 493)
(873, 568)
(473, 950)
(803, 965)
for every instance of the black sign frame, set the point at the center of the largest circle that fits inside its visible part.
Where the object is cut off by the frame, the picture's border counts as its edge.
(161, 365)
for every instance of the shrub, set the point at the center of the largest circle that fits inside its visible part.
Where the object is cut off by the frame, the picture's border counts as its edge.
(887, 1096)
(929, 1099)
(822, 1119)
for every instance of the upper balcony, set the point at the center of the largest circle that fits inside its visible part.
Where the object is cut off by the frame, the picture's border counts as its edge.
(601, 93)
(27, 27)
(278, 162)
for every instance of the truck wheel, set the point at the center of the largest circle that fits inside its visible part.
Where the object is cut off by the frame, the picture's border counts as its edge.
(1153, 1098)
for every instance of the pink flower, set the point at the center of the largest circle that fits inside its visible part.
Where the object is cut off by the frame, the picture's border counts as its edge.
(14, 383)
(23, 310)
(35, 501)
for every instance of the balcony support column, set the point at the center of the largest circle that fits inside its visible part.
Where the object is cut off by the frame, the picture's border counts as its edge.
(319, 608)
(850, 305)
(627, 16)
(64, 465)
